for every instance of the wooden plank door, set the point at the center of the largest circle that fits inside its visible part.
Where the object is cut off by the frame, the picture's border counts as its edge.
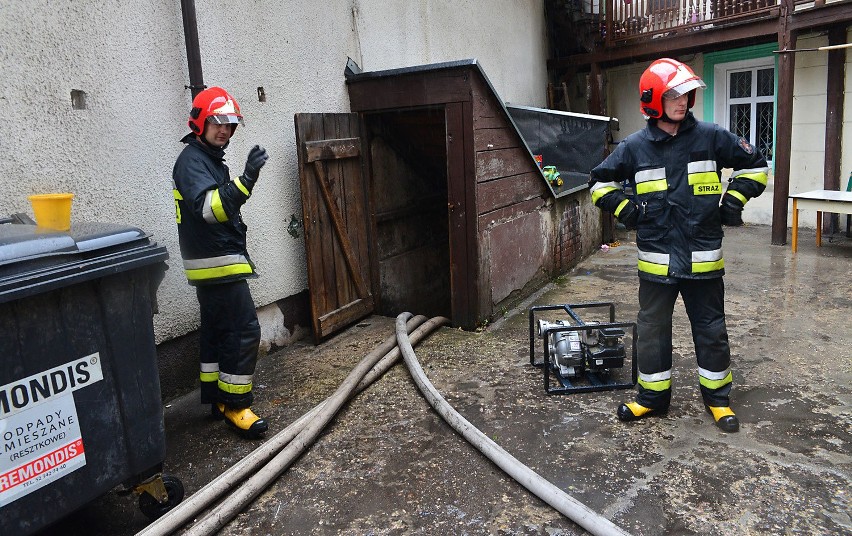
(336, 218)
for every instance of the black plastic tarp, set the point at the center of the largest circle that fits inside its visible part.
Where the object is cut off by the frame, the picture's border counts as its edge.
(574, 143)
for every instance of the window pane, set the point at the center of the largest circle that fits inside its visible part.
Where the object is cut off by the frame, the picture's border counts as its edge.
(765, 82)
(741, 120)
(765, 115)
(741, 85)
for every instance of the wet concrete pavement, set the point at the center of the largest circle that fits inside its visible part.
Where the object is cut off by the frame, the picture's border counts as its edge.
(388, 464)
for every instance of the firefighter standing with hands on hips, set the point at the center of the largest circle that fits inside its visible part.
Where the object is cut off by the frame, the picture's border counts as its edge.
(213, 246)
(678, 208)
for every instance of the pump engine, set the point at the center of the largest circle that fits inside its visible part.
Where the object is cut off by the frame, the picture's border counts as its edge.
(574, 352)
(582, 355)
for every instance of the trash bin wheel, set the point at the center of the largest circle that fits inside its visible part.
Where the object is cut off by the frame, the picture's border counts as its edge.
(153, 509)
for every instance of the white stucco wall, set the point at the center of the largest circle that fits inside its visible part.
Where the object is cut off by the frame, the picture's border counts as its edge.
(809, 110)
(130, 60)
(622, 97)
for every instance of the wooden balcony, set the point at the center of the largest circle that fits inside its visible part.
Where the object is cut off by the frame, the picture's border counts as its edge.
(617, 31)
(631, 20)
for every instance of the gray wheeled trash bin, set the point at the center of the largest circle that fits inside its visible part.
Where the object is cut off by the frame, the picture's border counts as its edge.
(80, 406)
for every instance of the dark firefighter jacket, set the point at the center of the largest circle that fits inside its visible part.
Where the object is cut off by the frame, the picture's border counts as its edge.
(677, 188)
(207, 209)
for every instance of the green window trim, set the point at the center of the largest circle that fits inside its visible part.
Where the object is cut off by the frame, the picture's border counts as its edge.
(711, 59)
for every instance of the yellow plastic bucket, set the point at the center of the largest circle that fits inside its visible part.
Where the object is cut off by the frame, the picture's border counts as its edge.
(52, 211)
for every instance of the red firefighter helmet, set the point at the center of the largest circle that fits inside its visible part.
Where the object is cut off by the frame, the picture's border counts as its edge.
(213, 105)
(666, 78)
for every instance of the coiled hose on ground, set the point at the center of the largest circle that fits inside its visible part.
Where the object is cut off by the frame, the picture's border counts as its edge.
(259, 469)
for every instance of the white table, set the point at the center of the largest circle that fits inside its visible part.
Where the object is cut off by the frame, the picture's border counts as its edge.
(822, 201)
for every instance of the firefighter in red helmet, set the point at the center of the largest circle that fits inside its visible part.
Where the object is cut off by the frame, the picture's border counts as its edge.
(215, 258)
(668, 79)
(677, 206)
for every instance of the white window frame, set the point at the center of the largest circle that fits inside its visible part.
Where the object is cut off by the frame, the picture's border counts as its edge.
(721, 87)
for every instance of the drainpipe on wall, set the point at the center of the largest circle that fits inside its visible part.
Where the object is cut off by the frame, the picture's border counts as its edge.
(193, 51)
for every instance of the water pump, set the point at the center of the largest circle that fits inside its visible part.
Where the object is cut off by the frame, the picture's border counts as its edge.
(581, 356)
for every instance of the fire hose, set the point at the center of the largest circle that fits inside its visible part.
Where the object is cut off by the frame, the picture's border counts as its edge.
(255, 463)
(535, 483)
(262, 467)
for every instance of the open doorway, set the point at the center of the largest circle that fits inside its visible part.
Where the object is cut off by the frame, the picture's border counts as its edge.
(409, 198)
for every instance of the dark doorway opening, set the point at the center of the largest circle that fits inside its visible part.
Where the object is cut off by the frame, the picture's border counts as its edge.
(408, 185)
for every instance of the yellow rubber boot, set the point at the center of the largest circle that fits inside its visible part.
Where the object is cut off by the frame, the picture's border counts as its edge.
(725, 418)
(244, 421)
(633, 411)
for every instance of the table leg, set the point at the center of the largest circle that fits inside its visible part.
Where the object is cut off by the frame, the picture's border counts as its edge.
(819, 228)
(795, 225)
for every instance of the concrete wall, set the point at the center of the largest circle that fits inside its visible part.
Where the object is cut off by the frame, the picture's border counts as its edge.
(129, 59)
(809, 109)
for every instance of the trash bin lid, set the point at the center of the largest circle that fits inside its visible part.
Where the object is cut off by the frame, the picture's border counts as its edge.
(34, 260)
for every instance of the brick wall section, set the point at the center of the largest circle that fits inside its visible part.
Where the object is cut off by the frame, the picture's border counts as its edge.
(568, 244)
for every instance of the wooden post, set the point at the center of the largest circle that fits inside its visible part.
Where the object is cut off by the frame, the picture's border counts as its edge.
(784, 123)
(595, 97)
(596, 107)
(834, 117)
(608, 23)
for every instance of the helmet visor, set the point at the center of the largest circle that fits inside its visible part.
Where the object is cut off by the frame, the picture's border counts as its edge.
(684, 88)
(223, 119)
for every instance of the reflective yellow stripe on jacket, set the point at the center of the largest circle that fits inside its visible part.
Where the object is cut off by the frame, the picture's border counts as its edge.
(702, 262)
(213, 210)
(178, 198)
(707, 261)
(758, 175)
(654, 263)
(651, 180)
(703, 178)
(600, 189)
(216, 267)
(239, 182)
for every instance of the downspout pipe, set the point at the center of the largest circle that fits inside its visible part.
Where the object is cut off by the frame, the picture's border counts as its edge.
(193, 51)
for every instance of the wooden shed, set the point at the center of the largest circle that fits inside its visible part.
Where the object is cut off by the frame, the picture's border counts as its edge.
(428, 199)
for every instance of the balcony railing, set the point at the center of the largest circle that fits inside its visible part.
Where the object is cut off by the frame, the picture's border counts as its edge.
(642, 19)
(623, 21)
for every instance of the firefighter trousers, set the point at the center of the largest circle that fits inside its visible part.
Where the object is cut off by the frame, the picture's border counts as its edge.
(704, 301)
(229, 339)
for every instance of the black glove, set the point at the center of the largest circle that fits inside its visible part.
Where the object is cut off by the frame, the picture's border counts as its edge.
(629, 216)
(731, 211)
(256, 158)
